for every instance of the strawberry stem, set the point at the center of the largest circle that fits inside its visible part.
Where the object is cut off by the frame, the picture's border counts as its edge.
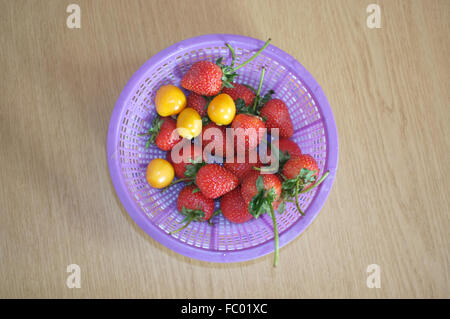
(217, 212)
(184, 226)
(257, 97)
(186, 179)
(296, 198)
(275, 231)
(254, 56)
(233, 54)
(317, 183)
(180, 180)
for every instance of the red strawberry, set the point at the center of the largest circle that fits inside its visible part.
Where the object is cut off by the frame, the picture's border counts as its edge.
(234, 208)
(163, 133)
(204, 78)
(249, 127)
(300, 173)
(194, 152)
(191, 200)
(216, 133)
(215, 181)
(240, 91)
(197, 102)
(194, 206)
(277, 116)
(249, 187)
(294, 165)
(207, 78)
(241, 169)
(286, 145)
(261, 192)
(287, 150)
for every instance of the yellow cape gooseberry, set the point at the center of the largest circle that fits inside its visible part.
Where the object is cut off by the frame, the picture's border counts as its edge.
(221, 110)
(169, 100)
(189, 123)
(160, 173)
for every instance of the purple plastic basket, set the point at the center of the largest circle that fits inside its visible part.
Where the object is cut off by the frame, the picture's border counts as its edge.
(155, 212)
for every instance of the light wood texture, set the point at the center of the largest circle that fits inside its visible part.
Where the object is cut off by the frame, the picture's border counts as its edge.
(389, 90)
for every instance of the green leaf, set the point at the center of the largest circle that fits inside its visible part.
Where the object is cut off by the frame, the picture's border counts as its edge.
(219, 61)
(266, 98)
(205, 121)
(281, 207)
(259, 184)
(228, 85)
(192, 169)
(288, 188)
(262, 202)
(240, 105)
(193, 214)
(307, 176)
(291, 188)
(153, 131)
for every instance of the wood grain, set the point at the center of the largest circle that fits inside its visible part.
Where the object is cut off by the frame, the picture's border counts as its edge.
(389, 90)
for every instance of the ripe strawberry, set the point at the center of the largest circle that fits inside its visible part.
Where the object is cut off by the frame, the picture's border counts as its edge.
(287, 149)
(194, 206)
(261, 193)
(294, 165)
(215, 180)
(249, 187)
(234, 208)
(300, 174)
(191, 200)
(240, 91)
(217, 133)
(206, 78)
(194, 152)
(250, 128)
(163, 133)
(203, 78)
(241, 169)
(286, 145)
(247, 100)
(197, 102)
(277, 116)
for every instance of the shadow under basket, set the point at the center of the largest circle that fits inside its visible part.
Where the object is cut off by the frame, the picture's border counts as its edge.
(155, 211)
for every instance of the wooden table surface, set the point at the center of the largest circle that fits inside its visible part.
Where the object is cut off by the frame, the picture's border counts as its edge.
(389, 89)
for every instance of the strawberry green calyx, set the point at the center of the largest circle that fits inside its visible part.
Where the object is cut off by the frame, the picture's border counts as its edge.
(190, 172)
(262, 203)
(217, 212)
(316, 184)
(153, 131)
(190, 215)
(192, 169)
(258, 102)
(291, 188)
(229, 71)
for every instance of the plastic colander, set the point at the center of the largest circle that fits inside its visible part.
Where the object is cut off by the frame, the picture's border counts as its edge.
(155, 211)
